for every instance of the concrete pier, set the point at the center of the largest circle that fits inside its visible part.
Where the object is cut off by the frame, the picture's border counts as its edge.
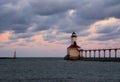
(107, 55)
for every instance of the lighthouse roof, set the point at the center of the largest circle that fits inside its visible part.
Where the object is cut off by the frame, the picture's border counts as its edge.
(74, 46)
(73, 34)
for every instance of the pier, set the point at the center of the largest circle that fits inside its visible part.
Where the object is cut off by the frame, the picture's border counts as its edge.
(110, 54)
(75, 52)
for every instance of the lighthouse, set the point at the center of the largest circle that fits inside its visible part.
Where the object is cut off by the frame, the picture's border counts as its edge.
(14, 56)
(73, 51)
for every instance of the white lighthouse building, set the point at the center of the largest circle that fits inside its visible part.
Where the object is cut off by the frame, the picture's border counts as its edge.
(73, 51)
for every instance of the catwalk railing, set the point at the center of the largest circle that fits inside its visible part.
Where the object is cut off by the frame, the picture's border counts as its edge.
(95, 54)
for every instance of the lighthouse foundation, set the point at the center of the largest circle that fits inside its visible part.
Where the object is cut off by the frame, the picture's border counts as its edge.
(73, 54)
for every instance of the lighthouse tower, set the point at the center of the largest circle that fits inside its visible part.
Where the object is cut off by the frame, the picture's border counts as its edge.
(73, 38)
(73, 51)
(14, 56)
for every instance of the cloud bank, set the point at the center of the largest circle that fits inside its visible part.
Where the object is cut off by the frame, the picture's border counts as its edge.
(55, 20)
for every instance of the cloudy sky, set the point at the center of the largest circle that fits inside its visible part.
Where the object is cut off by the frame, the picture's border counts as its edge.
(43, 27)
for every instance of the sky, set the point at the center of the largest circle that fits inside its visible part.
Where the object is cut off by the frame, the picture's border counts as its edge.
(42, 28)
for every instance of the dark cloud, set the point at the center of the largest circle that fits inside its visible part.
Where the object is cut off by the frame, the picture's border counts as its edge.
(108, 32)
(84, 33)
(2, 2)
(106, 37)
(20, 35)
(10, 42)
(109, 28)
(29, 40)
(99, 9)
(14, 16)
(19, 16)
(21, 44)
(112, 3)
(50, 38)
(47, 22)
(50, 7)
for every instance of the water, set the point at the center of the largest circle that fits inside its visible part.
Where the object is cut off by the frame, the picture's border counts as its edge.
(57, 70)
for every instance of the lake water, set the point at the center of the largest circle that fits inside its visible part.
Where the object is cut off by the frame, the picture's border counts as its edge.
(57, 70)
